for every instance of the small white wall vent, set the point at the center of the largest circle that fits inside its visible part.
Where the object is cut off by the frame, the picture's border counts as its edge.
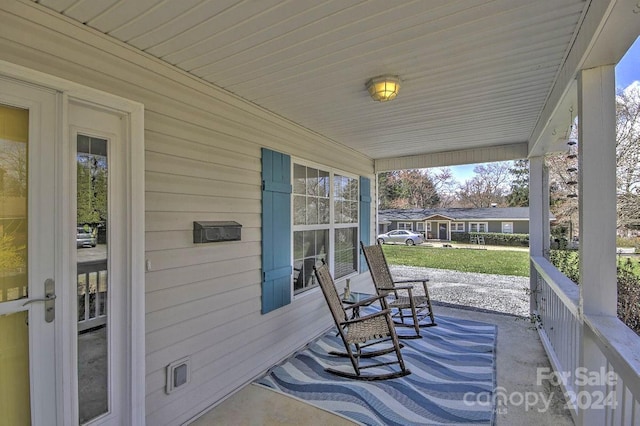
(178, 374)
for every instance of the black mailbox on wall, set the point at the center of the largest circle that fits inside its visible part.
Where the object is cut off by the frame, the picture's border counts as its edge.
(212, 231)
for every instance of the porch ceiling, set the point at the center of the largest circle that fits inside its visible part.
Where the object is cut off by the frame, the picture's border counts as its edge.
(475, 73)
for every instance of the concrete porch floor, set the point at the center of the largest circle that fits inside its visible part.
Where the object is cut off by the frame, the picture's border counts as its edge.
(519, 356)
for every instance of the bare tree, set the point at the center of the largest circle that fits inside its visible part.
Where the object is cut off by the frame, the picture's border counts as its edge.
(489, 185)
(445, 185)
(627, 168)
(628, 157)
(562, 191)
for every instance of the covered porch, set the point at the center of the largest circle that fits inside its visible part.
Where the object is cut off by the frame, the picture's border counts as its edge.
(211, 87)
(438, 227)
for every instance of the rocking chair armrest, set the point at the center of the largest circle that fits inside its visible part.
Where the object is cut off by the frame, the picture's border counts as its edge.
(402, 287)
(424, 282)
(417, 280)
(366, 317)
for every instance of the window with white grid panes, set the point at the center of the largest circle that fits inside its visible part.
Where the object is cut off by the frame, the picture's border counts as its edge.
(325, 223)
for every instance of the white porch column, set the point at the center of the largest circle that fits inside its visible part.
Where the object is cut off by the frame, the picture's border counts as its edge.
(536, 221)
(597, 205)
(546, 228)
(597, 195)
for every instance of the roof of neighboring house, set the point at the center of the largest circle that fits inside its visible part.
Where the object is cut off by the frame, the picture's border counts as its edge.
(456, 213)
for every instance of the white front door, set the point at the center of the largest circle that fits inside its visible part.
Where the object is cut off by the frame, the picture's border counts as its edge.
(71, 301)
(28, 314)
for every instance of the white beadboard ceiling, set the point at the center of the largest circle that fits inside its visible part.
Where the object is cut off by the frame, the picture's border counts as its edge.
(475, 73)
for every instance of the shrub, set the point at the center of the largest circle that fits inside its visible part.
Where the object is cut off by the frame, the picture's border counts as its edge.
(461, 237)
(568, 262)
(628, 242)
(11, 257)
(629, 295)
(493, 238)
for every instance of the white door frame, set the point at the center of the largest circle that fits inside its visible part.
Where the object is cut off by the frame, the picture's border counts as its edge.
(64, 233)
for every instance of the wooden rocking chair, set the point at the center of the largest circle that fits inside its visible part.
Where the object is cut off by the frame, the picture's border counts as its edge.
(399, 297)
(361, 332)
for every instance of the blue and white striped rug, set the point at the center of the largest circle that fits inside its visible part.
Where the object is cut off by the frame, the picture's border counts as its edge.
(453, 375)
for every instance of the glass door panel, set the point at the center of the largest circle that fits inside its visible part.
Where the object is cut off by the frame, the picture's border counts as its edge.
(15, 406)
(14, 369)
(14, 330)
(14, 133)
(92, 273)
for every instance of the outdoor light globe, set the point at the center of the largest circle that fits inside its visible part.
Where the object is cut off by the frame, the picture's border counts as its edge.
(383, 88)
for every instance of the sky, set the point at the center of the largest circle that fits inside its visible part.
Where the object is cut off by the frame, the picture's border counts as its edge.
(627, 71)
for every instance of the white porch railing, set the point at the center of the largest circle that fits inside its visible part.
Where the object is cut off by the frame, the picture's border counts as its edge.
(557, 301)
(92, 294)
(562, 330)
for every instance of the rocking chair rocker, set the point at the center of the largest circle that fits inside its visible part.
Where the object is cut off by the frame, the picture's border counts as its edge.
(386, 286)
(361, 332)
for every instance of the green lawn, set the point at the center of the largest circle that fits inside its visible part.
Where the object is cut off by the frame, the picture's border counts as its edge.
(501, 262)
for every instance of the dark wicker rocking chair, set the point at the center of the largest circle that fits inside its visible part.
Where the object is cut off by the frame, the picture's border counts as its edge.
(361, 332)
(399, 297)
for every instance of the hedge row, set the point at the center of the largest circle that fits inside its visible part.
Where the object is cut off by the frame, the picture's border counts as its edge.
(628, 242)
(493, 238)
(568, 262)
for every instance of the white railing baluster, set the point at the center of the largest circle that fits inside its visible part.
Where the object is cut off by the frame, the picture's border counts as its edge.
(93, 272)
(560, 328)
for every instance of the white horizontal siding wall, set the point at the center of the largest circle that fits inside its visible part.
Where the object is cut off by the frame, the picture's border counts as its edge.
(202, 162)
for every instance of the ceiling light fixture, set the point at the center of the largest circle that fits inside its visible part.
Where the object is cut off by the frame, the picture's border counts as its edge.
(384, 88)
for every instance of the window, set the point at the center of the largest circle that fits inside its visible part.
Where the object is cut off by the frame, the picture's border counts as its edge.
(345, 201)
(420, 226)
(429, 226)
(507, 227)
(405, 225)
(478, 227)
(325, 224)
(457, 226)
(310, 196)
(309, 250)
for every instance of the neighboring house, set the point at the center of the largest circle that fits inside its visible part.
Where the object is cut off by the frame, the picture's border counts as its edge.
(439, 224)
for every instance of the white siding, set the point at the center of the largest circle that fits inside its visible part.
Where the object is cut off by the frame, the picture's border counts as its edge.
(202, 162)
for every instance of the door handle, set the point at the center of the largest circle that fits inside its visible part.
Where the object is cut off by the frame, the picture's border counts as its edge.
(48, 299)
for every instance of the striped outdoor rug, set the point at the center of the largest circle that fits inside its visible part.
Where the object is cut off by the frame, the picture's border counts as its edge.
(453, 375)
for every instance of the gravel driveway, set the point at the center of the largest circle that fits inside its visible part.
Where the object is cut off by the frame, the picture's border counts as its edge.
(502, 293)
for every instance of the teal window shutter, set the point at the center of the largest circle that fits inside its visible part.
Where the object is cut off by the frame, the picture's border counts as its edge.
(365, 217)
(276, 230)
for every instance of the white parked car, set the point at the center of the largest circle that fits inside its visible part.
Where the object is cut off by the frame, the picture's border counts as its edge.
(409, 238)
(85, 238)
